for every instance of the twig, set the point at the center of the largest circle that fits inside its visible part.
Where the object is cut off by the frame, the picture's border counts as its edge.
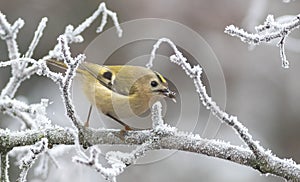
(101, 9)
(195, 74)
(73, 34)
(28, 161)
(156, 115)
(4, 167)
(33, 115)
(173, 141)
(109, 173)
(37, 35)
(9, 34)
(65, 84)
(265, 33)
(160, 137)
(120, 160)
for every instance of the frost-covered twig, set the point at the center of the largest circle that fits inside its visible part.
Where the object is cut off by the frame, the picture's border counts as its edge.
(110, 173)
(160, 137)
(4, 167)
(156, 115)
(17, 109)
(66, 82)
(73, 34)
(14, 61)
(158, 124)
(37, 35)
(28, 161)
(195, 74)
(42, 169)
(120, 160)
(33, 115)
(129, 158)
(9, 33)
(101, 9)
(21, 70)
(265, 33)
(18, 73)
(181, 141)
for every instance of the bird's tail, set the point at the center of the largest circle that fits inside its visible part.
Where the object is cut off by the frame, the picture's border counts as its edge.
(57, 64)
(60, 64)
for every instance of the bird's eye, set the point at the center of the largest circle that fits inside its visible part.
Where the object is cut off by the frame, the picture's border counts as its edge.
(154, 83)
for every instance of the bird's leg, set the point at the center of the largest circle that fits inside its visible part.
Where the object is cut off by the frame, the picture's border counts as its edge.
(87, 122)
(127, 127)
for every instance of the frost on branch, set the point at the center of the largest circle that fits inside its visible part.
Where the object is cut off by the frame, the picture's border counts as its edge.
(73, 34)
(117, 166)
(37, 35)
(158, 124)
(38, 132)
(195, 74)
(33, 116)
(65, 83)
(120, 160)
(116, 159)
(4, 167)
(9, 33)
(266, 32)
(29, 160)
(265, 160)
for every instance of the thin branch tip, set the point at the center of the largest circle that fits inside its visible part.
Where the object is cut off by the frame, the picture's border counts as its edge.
(269, 30)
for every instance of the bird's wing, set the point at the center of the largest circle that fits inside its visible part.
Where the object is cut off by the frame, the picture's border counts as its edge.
(115, 77)
(103, 74)
(126, 77)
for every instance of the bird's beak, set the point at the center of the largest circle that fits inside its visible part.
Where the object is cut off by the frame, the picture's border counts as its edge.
(168, 93)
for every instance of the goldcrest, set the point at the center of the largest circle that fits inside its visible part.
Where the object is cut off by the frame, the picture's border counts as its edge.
(121, 91)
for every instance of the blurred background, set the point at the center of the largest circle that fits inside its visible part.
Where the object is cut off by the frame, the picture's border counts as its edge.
(250, 82)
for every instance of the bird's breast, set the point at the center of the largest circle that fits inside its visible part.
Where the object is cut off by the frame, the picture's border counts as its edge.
(117, 105)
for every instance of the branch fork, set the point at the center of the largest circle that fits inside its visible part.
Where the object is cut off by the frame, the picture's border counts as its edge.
(42, 137)
(266, 32)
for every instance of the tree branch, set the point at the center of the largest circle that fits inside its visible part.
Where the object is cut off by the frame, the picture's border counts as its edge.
(265, 33)
(27, 161)
(4, 167)
(9, 33)
(43, 135)
(195, 74)
(172, 141)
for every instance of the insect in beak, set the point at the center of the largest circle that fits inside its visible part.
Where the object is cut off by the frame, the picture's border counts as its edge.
(168, 93)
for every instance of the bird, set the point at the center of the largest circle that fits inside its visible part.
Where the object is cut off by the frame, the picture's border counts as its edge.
(120, 91)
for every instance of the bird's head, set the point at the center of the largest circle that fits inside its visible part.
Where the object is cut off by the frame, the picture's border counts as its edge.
(152, 84)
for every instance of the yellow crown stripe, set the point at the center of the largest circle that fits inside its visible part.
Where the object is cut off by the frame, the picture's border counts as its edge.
(160, 77)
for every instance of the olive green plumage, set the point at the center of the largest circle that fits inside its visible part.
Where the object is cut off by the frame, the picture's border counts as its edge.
(121, 91)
